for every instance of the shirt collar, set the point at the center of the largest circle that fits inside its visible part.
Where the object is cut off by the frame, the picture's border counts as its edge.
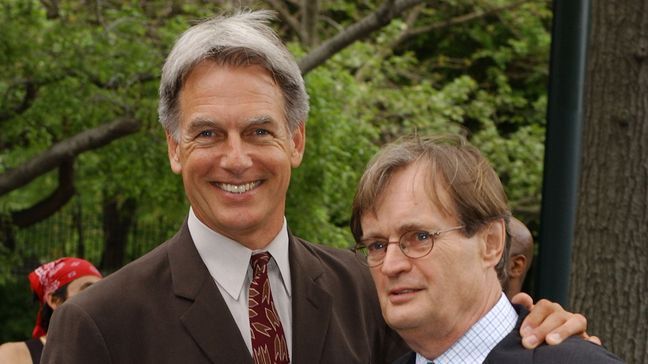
(481, 338)
(228, 261)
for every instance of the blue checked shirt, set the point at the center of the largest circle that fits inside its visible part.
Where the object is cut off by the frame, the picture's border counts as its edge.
(482, 337)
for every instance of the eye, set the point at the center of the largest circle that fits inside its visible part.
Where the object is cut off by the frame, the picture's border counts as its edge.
(422, 236)
(376, 246)
(206, 134)
(261, 132)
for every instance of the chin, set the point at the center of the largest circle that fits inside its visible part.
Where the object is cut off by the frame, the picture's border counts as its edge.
(401, 321)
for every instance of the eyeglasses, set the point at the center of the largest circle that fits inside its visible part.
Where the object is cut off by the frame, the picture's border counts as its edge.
(414, 244)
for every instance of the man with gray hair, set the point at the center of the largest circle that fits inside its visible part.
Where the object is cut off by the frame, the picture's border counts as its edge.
(234, 285)
(429, 218)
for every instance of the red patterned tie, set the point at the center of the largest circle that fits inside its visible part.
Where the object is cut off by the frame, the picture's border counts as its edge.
(268, 340)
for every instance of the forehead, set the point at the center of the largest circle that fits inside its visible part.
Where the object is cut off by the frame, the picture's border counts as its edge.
(221, 93)
(415, 194)
(81, 282)
(209, 78)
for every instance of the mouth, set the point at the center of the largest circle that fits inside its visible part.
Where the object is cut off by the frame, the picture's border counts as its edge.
(399, 296)
(402, 291)
(238, 188)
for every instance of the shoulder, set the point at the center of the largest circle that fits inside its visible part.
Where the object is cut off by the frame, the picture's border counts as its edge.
(336, 271)
(14, 352)
(325, 252)
(148, 274)
(136, 273)
(335, 263)
(575, 350)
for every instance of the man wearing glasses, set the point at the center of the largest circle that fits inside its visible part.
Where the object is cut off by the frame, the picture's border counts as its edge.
(429, 218)
(235, 285)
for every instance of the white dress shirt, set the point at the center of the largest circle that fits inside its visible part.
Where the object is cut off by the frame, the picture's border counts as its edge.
(228, 263)
(481, 338)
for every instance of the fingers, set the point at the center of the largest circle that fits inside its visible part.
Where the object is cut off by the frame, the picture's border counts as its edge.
(523, 299)
(594, 339)
(549, 322)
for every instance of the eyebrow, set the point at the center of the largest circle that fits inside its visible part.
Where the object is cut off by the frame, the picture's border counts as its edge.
(413, 226)
(205, 123)
(200, 124)
(401, 230)
(259, 120)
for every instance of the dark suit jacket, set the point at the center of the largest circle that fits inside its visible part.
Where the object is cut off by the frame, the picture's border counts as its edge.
(574, 350)
(166, 308)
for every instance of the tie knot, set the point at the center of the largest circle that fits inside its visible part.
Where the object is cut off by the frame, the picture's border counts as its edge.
(259, 261)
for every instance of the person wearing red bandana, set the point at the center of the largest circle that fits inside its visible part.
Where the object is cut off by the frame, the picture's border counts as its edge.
(52, 284)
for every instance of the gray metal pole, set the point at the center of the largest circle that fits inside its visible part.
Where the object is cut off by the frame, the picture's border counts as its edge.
(562, 147)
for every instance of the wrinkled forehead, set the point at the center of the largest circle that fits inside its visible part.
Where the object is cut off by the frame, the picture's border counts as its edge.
(426, 178)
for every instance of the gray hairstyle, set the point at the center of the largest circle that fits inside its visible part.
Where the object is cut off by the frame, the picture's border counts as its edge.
(241, 39)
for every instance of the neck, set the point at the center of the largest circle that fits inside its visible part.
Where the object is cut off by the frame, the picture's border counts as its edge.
(253, 238)
(435, 341)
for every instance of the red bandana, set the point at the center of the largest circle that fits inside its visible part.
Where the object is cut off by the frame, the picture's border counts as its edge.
(51, 276)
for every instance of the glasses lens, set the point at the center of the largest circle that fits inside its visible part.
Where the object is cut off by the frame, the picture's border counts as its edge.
(371, 252)
(416, 244)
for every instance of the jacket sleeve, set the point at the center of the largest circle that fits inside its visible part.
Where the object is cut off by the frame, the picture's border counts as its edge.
(74, 338)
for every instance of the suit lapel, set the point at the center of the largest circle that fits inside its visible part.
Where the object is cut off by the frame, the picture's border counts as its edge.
(311, 304)
(207, 318)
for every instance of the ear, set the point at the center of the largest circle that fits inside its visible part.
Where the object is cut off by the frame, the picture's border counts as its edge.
(173, 149)
(517, 266)
(494, 240)
(299, 142)
(52, 301)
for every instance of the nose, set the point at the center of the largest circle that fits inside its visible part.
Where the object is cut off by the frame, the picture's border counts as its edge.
(235, 155)
(395, 262)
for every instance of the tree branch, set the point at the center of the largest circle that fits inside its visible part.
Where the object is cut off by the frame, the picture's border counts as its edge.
(52, 8)
(283, 11)
(310, 11)
(461, 19)
(68, 148)
(31, 90)
(381, 17)
(52, 203)
(365, 69)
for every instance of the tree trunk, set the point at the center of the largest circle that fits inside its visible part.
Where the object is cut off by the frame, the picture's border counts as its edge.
(609, 281)
(310, 10)
(118, 217)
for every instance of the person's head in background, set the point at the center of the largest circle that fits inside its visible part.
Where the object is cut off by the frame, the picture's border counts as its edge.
(54, 282)
(520, 256)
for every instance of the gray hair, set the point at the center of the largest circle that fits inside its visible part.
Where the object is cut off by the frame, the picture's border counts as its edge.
(241, 39)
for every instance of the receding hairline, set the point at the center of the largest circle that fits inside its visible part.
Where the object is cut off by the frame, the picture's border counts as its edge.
(521, 238)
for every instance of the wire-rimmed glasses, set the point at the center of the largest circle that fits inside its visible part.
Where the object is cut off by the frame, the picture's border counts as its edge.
(414, 244)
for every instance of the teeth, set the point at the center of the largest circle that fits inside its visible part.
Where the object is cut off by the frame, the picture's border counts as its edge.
(238, 188)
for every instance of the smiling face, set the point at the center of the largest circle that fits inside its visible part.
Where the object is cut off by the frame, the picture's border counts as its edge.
(235, 152)
(441, 293)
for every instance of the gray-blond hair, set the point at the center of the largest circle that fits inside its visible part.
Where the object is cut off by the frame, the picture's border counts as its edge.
(241, 39)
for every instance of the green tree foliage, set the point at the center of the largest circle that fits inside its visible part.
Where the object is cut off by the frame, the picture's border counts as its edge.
(477, 67)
